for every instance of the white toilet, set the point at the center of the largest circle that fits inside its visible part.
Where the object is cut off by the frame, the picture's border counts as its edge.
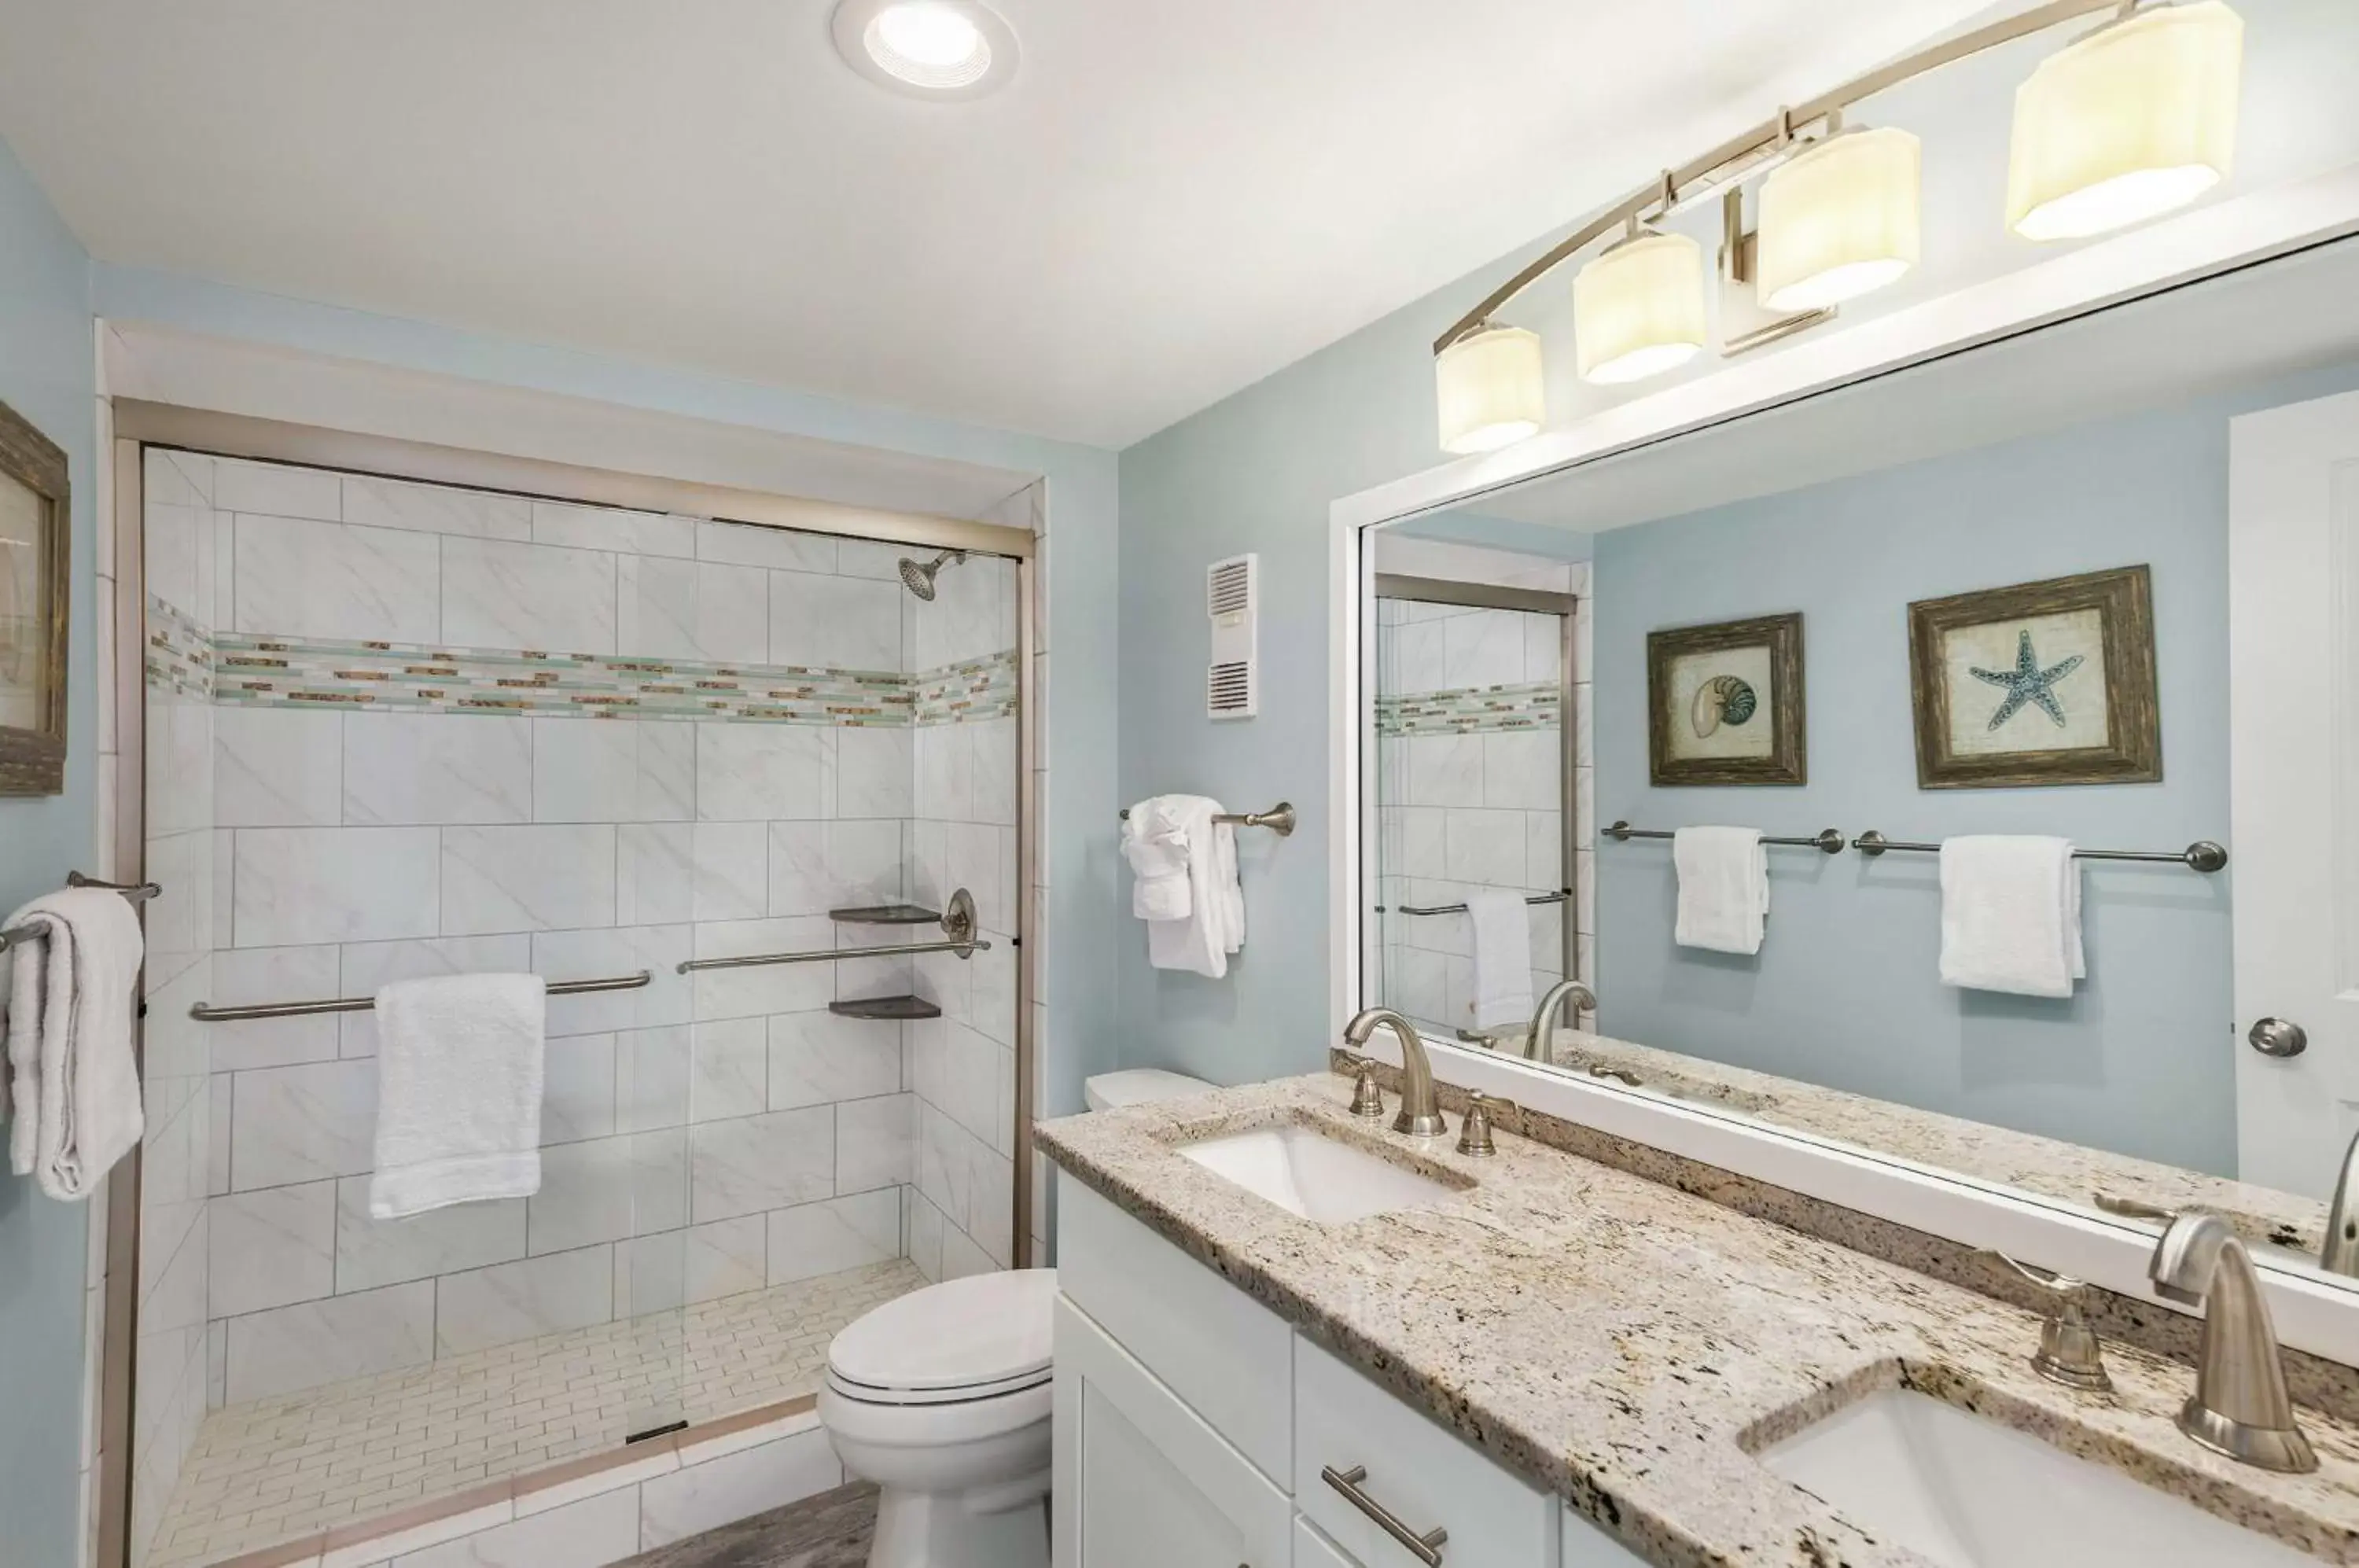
(943, 1398)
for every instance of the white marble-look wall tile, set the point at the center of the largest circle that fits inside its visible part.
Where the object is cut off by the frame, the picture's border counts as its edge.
(835, 623)
(962, 1255)
(327, 1341)
(729, 1070)
(830, 1238)
(246, 975)
(371, 1253)
(434, 508)
(411, 770)
(298, 886)
(732, 871)
(1524, 770)
(945, 1163)
(540, 598)
(577, 1089)
(547, 876)
(980, 859)
(750, 544)
(872, 773)
(598, 1530)
(605, 1190)
(281, 490)
(667, 998)
(652, 1068)
(368, 967)
(277, 767)
(483, 1307)
(701, 1497)
(1543, 851)
(921, 1229)
(991, 1207)
(991, 1008)
(769, 988)
(726, 1257)
(693, 610)
(605, 770)
(1482, 647)
(1444, 769)
(753, 1163)
(874, 1142)
(818, 867)
(993, 770)
(945, 772)
(272, 1248)
(655, 871)
(758, 772)
(303, 1124)
(331, 579)
(819, 1058)
(613, 529)
(871, 558)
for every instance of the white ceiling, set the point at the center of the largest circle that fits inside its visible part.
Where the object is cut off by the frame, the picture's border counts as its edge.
(1169, 201)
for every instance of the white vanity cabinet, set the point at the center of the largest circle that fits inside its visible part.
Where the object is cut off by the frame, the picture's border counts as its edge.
(1195, 1429)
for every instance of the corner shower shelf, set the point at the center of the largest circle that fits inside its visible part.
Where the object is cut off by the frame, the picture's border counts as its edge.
(889, 1008)
(886, 915)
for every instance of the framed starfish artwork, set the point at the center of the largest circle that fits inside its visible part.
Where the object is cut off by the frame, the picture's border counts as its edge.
(2040, 684)
(1725, 703)
(35, 510)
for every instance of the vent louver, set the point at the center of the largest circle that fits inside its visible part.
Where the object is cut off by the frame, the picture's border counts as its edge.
(1233, 602)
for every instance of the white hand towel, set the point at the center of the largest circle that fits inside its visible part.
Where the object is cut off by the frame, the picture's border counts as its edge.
(1155, 842)
(2011, 915)
(75, 1080)
(1215, 926)
(1723, 889)
(1503, 958)
(458, 1092)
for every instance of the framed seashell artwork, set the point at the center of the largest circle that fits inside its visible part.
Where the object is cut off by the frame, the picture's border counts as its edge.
(1725, 703)
(36, 512)
(2049, 682)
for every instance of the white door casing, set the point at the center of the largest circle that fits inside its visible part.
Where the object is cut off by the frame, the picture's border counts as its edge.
(2293, 568)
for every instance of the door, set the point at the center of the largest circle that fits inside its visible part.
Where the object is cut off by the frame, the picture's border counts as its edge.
(2294, 770)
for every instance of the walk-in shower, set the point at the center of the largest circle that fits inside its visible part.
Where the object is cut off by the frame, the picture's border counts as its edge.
(396, 728)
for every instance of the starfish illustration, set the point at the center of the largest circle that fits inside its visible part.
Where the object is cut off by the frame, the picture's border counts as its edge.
(2027, 682)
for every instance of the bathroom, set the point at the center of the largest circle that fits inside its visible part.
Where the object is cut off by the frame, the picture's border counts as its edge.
(1084, 944)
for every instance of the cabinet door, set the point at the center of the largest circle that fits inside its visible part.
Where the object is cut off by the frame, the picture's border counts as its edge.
(1144, 1482)
(1586, 1546)
(1312, 1549)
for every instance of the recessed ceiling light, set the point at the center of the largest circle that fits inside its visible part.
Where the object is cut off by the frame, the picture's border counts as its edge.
(927, 48)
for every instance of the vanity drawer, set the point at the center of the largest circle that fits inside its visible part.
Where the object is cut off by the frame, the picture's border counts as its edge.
(1419, 1472)
(1586, 1546)
(1230, 1357)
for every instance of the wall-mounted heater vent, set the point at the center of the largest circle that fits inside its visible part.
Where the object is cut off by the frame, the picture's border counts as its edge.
(1233, 600)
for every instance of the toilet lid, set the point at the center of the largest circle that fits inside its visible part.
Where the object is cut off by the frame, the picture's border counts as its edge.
(985, 1332)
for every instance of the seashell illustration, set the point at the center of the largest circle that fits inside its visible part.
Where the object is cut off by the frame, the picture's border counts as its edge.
(1724, 699)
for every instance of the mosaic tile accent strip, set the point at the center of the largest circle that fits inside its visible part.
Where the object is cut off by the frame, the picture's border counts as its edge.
(180, 657)
(249, 669)
(1471, 709)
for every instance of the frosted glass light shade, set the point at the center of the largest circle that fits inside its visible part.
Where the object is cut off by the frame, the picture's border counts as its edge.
(1490, 389)
(1840, 220)
(1637, 309)
(2131, 121)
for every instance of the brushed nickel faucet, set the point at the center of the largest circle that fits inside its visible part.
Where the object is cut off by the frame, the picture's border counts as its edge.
(2340, 1255)
(2241, 1408)
(1420, 1107)
(1563, 991)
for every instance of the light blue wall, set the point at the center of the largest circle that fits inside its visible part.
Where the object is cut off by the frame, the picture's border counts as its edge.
(1080, 572)
(1845, 990)
(1501, 533)
(46, 374)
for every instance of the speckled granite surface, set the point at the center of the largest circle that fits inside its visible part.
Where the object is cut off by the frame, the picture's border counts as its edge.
(1630, 1346)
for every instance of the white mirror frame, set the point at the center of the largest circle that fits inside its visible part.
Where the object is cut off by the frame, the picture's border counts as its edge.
(2310, 1312)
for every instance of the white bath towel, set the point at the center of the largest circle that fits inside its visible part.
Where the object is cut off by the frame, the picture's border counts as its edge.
(458, 1092)
(2011, 915)
(1503, 958)
(1215, 926)
(71, 1072)
(1155, 842)
(1723, 889)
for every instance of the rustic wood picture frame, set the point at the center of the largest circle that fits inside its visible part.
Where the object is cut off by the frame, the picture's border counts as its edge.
(1787, 762)
(2124, 600)
(33, 760)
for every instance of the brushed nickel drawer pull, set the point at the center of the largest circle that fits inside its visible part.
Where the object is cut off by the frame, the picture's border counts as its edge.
(1428, 1547)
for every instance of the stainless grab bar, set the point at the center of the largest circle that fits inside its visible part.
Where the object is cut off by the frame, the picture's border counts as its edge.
(1557, 898)
(206, 1013)
(958, 928)
(137, 892)
(2201, 855)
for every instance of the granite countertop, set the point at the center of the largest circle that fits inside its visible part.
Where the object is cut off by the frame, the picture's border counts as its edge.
(1631, 1347)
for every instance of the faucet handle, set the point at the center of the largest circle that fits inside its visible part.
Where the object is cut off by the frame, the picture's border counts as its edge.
(1367, 1098)
(1475, 1126)
(2069, 1352)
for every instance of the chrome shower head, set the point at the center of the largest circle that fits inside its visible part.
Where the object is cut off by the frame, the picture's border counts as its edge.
(919, 580)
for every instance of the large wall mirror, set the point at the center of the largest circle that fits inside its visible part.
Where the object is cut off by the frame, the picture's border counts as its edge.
(2095, 584)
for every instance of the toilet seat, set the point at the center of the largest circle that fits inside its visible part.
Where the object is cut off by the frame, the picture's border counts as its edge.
(962, 1342)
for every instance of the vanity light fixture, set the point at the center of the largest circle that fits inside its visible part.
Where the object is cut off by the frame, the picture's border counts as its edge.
(1637, 309)
(1840, 219)
(1490, 387)
(2124, 123)
(927, 48)
(2131, 121)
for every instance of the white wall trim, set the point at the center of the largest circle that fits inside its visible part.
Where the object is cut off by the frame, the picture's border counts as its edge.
(2311, 1313)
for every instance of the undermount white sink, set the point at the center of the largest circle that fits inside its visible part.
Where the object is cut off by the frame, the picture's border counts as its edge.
(1966, 1492)
(1316, 1177)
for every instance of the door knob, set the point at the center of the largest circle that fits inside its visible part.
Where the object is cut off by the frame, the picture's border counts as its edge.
(2278, 1037)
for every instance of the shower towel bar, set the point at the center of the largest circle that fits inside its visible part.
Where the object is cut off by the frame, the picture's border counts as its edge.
(206, 1013)
(1827, 841)
(958, 929)
(137, 892)
(1556, 897)
(1279, 819)
(2201, 855)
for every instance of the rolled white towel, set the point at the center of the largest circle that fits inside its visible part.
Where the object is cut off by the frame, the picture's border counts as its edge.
(1155, 842)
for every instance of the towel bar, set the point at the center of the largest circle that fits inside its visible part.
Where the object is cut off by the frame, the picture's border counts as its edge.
(206, 1013)
(1556, 897)
(1827, 841)
(1279, 819)
(137, 892)
(957, 930)
(2201, 855)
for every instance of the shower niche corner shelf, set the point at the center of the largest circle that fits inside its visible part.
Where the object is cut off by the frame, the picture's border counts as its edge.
(886, 915)
(895, 1008)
